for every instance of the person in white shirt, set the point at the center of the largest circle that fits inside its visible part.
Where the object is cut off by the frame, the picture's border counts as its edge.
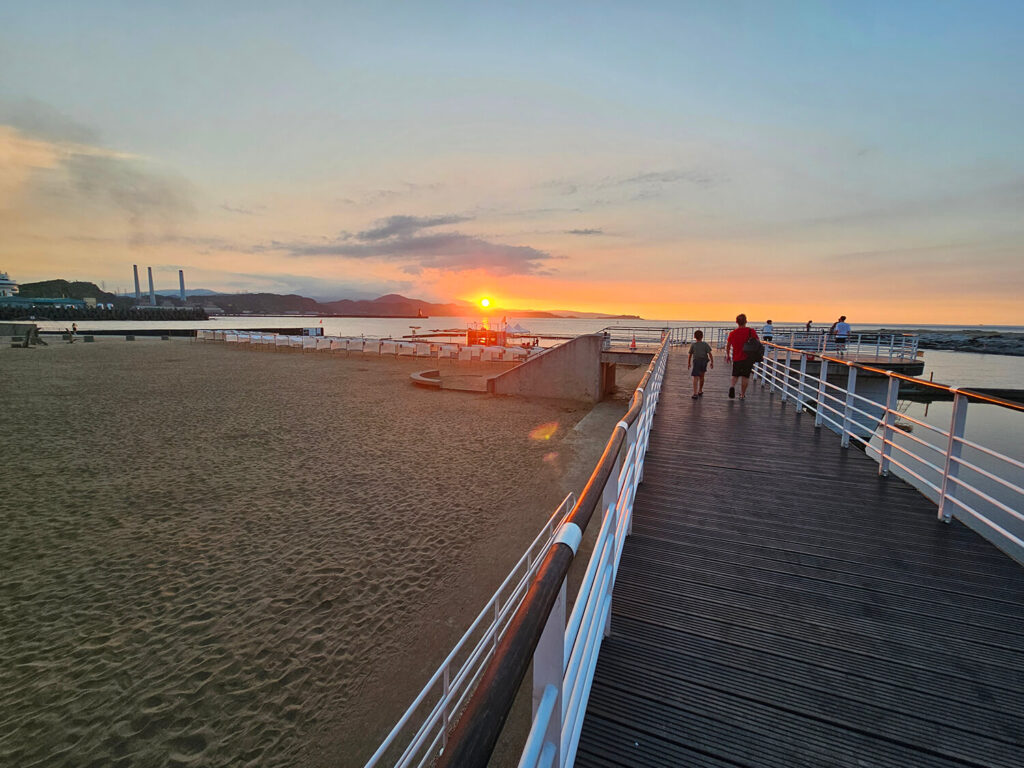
(842, 334)
(767, 332)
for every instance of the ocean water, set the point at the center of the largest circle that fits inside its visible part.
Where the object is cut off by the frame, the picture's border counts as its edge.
(399, 326)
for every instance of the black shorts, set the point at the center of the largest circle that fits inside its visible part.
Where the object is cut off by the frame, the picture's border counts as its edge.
(768, 338)
(742, 368)
(700, 367)
(840, 341)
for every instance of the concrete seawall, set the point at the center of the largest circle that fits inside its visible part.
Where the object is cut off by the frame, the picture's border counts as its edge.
(570, 371)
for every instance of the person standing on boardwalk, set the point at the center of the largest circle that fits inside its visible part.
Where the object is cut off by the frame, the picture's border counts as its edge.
(808, 328)
(768, 332)
(842, 329)
(698, 361)
(742, 365)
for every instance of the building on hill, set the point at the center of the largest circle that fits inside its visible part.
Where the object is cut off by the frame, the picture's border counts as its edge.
(8, 287)
(27, 303)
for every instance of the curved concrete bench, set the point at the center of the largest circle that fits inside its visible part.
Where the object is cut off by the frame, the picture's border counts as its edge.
(427, 379)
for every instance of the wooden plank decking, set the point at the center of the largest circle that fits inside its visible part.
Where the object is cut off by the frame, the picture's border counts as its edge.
(779, 604)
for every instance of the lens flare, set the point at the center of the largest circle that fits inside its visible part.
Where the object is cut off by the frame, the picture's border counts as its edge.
(544, 431)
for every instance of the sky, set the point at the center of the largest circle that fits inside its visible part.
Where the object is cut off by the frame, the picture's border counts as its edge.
(673, 160)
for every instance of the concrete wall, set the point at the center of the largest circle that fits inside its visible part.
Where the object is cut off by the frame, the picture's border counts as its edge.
(15, 329)
(571, 371)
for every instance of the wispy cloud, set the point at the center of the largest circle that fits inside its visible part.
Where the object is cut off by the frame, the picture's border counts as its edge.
(584, 232)
(242, 211)
(403, 226)
(378, 196)
(59, 167)
(401, 239)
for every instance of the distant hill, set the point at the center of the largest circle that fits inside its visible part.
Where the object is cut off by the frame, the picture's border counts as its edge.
(64, 289)
(389, 305)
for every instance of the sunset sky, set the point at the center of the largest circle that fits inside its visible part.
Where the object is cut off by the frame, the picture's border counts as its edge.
(674, 160)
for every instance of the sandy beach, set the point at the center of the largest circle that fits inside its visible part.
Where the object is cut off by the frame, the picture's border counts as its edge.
(216, 556)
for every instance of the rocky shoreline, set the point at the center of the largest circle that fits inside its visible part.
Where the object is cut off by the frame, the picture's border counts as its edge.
(967, 340)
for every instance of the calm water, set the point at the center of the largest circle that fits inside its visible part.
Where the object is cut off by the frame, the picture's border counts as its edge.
(396, 326)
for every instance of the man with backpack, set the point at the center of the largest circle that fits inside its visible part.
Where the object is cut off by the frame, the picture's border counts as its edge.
(743, 349)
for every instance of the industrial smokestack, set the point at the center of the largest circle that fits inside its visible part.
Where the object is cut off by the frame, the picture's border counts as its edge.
(181, 283)
(152, 293)
(138, 291)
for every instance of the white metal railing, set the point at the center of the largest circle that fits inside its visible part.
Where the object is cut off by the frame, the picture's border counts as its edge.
(889, 346)
(422, 731)
(974, 483)
(566, 654)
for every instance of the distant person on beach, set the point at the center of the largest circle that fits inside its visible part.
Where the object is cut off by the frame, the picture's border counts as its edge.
(698, 361)
(808, 328)
(842, 331)
(741, 364)
(768, 333)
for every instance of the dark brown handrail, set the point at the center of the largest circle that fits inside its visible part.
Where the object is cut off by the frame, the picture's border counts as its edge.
(472, 741)
(903, 377)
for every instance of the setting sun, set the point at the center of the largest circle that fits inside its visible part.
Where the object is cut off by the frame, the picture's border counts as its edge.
(485, 303)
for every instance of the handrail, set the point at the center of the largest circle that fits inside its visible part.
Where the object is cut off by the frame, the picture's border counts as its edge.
(472, 741)
(465, 672)
(872, 423)
(992, 399)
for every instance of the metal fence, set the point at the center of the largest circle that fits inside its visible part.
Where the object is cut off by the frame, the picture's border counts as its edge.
(567, 652)
(982, 487)
(525, 622)
(421, 733)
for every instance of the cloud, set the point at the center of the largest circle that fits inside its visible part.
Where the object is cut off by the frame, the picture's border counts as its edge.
(399, 239)
(240, 210)
(147, 199)
(377, 196)
(41, 121)
(402, 226)
(54, 166)
(584, 232)
(692, 176)
(317, 288)
(639, 186)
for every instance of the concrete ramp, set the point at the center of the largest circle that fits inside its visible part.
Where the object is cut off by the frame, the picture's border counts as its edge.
(570, 371)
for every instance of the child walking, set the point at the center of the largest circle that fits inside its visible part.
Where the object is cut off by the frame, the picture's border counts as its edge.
(699, 360)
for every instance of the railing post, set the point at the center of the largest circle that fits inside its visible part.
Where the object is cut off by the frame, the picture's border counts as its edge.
(800, 390)
(888, 425)
(851, 386)
(446, 717)
(819, 412)
(631, 440)
(548, 668)
(878, 345)
(892, 346)
(953, 451)
(785, 385)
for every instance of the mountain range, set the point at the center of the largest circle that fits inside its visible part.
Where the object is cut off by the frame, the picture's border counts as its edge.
(390, 305)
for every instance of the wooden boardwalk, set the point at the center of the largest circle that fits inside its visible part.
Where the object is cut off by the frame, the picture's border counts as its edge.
(779, 604)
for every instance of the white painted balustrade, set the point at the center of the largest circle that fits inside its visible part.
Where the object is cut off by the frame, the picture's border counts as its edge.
(982, 487)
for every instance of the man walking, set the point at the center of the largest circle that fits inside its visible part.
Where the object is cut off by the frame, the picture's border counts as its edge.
(742, 365)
